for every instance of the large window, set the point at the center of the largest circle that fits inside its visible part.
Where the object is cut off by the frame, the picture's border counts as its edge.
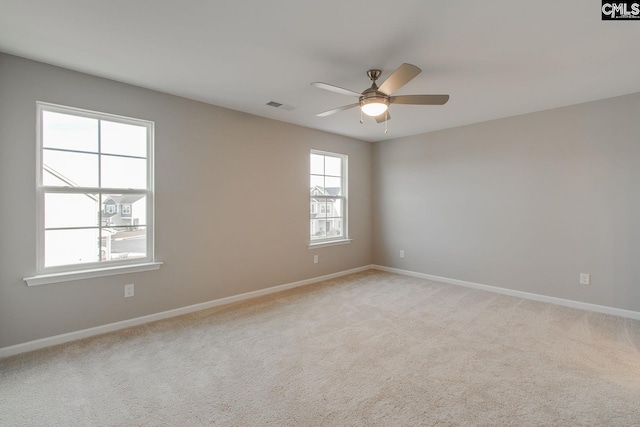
(95, 189)
(328, 197)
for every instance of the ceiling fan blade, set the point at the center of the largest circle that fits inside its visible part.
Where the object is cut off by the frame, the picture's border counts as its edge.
(336, 89)
(400, 77)
(382, 117)
(419, 99)
(337, 110)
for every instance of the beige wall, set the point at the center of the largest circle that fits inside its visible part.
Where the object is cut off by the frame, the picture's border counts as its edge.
(525, 203)
(231, 204)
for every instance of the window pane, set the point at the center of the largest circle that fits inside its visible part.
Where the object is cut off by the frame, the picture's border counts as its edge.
(333, 166)
(329, 207)
(317, 184)
(124, 210)
(70, 210)
(318, 229)
(333, 186)
(321, 209)
(315, 207)
(317, 164)
(69, 132)
(65, 169)
(53, 180)
(334, 227)
(124, 242)
(120, 138)
(335, 208)
(63, 247)
(123, 172)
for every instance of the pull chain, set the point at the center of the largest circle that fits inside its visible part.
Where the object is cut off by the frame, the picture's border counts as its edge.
(386, 118)
(361, 117)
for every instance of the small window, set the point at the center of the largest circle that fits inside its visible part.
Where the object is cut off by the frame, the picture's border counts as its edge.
(95, 189)
(328, 194)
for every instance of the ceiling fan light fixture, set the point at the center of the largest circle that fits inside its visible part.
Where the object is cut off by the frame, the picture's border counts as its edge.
(374, 106)
(375, 101)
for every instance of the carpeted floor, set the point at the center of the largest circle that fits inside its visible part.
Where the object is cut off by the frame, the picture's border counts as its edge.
(368, 349)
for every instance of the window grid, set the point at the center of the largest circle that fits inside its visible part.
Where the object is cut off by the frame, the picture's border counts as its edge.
(328, 196)
(104, 243)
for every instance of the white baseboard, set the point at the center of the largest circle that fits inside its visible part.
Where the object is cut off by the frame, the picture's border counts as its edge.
(526, 295)
(111, 327)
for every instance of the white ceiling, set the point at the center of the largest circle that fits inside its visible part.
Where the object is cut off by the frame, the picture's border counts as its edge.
(496, 58)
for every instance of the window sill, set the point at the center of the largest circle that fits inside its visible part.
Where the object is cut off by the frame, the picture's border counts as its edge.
(330, 243)
(45, 279)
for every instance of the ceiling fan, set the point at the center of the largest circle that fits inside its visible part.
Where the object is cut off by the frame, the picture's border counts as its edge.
(375, 100)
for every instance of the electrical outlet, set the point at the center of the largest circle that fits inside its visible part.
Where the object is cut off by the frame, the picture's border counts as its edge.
(585, 279)
(315, 259)
(401, 254)
(128, 290)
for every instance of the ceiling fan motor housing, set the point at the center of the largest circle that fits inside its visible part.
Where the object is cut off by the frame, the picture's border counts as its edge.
(372, 96)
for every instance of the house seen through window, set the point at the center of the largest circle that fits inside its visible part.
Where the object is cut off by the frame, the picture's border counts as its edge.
(95, 189)
(328, 197)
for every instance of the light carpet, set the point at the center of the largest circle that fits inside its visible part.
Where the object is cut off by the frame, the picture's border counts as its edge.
(369, 349)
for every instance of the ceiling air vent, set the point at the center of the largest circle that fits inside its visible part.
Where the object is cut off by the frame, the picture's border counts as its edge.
(275, 104)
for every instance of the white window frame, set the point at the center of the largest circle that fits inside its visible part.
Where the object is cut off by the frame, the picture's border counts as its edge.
(61, 273)
(344, 202)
